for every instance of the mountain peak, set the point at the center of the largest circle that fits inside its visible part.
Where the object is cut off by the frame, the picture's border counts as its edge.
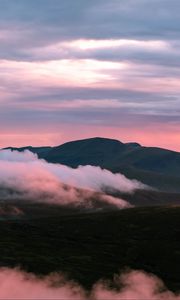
(95, 140)
(133, 144)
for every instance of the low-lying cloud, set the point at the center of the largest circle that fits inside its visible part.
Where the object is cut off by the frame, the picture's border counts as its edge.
(23, 175)
(16, 284)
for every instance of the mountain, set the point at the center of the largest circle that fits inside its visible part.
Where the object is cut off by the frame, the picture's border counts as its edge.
(154, 166)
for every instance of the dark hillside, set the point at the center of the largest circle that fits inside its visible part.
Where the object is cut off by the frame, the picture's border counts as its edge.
(88, 247)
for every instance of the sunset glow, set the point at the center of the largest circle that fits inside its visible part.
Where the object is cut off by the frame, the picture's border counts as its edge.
(93, 70)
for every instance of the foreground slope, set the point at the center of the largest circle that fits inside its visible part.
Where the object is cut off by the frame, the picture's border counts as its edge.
(89, 247)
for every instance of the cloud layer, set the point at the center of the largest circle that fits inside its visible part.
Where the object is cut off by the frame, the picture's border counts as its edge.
(16, 284)
(24, 176)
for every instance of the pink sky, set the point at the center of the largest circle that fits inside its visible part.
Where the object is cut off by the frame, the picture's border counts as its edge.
(67, 76)
(165, 137)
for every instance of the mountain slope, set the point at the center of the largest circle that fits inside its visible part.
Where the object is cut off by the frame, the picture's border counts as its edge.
(154, 166)
(112, 154)
(157, 167)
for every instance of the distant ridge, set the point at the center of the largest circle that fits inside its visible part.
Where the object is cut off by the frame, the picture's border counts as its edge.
(157, 167)
(40, 151)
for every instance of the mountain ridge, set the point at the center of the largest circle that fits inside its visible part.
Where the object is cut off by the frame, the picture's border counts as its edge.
(80, 140)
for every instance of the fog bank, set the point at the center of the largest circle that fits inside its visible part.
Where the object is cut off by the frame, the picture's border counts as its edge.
(24, 175)
(16, 284)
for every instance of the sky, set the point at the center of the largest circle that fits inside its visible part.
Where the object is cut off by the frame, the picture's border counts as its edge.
(73, 69)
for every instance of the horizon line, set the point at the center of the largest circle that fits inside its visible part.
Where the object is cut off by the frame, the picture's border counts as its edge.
(91, 138)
